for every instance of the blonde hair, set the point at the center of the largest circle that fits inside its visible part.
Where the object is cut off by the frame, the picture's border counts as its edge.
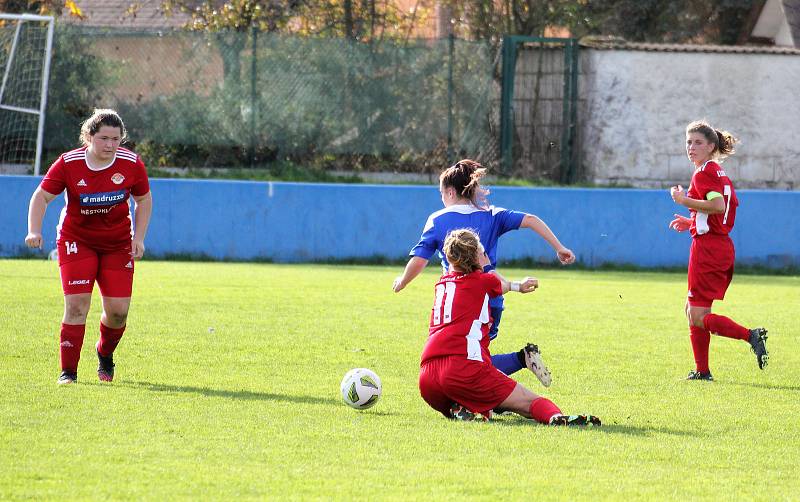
(461, 248)
(723, 140)
(101, 117)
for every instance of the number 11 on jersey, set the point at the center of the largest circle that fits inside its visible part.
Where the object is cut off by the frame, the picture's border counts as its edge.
(443, 304)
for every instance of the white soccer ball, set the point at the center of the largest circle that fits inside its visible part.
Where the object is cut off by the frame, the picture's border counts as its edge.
(361, 388)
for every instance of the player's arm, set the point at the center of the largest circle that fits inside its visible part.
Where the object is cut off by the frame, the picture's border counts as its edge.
(36, 209)
(413, 268)
(533, 222)
(526, 285)
(141, 214)
(714, 203)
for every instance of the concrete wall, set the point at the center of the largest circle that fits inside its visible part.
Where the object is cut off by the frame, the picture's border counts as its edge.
(636, 104)
(291, 222)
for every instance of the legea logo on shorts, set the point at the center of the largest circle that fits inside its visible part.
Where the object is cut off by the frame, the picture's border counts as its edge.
(79, 282)
(102, 198)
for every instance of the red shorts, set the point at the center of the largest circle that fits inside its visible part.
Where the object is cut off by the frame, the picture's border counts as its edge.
(711, 259)
(81, 266)
(477, 385)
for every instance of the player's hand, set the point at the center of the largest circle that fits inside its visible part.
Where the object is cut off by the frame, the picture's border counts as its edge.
(566, 256)
(398, 285)
(33, 240)
(680, 223)
(677, 194)
(528, 285)
(137, 249)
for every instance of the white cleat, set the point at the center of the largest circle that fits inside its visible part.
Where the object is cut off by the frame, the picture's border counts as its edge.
(533, 361)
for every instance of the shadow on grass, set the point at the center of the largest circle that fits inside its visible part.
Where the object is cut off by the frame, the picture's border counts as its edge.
(230, 394)
(608, 428)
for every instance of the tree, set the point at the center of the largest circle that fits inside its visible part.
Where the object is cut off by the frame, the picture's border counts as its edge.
(674, 21)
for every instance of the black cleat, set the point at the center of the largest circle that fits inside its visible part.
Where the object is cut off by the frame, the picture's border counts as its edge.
(696, 375)
(462, 414)
(758, 339)
(105, 367)
(67, 377)
(575, 420)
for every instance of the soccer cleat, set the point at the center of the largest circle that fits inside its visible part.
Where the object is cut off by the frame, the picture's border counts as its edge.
(533, 361)
(462, 414)
(575, 420)
(758, 344)
(696, 375)
(105, 367)
(67, 377)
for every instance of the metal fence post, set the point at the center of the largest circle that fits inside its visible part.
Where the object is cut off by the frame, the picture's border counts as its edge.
(507, 100)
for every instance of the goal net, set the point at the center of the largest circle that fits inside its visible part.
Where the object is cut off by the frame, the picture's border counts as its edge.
(25, 45)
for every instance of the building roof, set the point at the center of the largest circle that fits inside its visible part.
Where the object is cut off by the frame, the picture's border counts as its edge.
(141, 14)
(620, 44)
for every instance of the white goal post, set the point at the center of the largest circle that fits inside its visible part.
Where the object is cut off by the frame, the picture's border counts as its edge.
(26, 43)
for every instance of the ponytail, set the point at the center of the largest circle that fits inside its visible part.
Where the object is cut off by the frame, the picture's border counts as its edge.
(465, 178)
(723, 140)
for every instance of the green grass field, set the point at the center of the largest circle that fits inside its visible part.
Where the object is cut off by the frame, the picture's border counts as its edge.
(227, 386)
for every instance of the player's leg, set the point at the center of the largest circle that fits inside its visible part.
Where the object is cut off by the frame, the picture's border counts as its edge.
(698, 335)
(700, 338)
(78, 270)
(714, 284)
(430, 387)
(512, 362)
(507, 363)
(524, 402)
(115, 280)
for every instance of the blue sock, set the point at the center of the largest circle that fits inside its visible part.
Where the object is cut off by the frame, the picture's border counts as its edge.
(507, 363)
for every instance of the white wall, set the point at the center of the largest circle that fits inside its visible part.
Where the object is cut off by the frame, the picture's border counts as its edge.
(635, 106)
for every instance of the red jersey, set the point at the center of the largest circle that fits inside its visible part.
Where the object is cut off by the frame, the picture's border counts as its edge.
(706, 179)
(460, 318)
(97, 212)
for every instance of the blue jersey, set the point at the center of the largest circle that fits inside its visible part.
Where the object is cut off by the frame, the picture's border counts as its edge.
(488, 224)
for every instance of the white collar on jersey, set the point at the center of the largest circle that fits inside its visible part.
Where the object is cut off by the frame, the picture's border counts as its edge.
(86, 158)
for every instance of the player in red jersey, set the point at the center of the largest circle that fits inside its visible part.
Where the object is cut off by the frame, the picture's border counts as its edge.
(457, 377)
(712, 204)
(95, 240)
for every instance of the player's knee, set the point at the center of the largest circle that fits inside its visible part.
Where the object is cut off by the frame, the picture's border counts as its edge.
(75, 312)
(117, 317)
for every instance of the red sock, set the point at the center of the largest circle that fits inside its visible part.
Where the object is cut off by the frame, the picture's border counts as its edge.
(543, 409)
(109, 339)
(723, 326)
(701, 339)
(71, 343)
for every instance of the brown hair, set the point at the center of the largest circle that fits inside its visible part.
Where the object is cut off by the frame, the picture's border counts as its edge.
(461, 248)
(101, 117)
(465, 176)
(723, 140)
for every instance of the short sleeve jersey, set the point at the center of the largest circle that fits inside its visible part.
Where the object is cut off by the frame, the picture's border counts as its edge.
(97, 212)
(710, 181)
(489, 224)
(459, 323)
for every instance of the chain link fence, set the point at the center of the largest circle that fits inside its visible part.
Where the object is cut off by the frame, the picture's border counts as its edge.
(251, 99)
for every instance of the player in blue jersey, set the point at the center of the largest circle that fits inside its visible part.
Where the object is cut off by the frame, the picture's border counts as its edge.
(465, 206)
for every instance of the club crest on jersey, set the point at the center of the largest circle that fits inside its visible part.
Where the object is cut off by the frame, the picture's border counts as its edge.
(117, 178)
(102, 198)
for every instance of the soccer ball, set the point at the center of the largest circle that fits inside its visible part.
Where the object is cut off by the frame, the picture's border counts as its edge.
(361, 388)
